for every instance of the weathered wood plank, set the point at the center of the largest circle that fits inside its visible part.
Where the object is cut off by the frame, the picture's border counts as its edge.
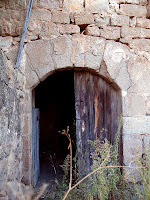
(98, 105)
(35, 145)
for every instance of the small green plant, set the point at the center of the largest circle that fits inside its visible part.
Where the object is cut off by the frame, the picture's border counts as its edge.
(145, 175)
(143, 188)
(107, 180)
(102, 183)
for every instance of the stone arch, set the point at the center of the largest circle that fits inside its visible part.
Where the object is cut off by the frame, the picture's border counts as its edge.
(107, 59)
(95, 102)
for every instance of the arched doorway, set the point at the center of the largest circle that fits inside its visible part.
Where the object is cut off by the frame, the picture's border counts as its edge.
(54, 101)
(67, 98)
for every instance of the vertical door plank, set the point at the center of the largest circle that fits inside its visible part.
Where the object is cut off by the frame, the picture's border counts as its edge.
(35, 145)
(98, 105)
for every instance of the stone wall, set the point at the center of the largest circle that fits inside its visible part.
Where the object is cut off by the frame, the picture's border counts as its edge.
(11, 108)
(109, 37)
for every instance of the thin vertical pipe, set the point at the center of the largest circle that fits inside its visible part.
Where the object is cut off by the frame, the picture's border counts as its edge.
(24, 32)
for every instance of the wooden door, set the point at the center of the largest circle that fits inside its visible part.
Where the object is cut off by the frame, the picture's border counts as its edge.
(98, 105)
(35, 145)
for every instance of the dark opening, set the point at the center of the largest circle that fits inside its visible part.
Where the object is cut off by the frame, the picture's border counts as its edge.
(55, 99)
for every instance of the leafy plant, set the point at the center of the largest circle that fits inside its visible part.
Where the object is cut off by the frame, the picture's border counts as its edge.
(143, 188)
(102, 182)
(107, 180)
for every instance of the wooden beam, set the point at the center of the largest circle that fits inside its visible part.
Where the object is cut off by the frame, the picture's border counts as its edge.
(24, 32)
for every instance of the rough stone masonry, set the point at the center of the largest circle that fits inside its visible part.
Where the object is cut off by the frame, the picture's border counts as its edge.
(111, 37)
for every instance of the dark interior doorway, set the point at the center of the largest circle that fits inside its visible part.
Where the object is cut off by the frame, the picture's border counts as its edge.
(56, 102)
(81, 100)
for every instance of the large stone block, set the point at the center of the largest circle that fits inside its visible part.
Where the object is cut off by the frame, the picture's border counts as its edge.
(115, 58)
(109, 32)
(46, 29)
(140, 44)
(73, 5)
(92, 30)
(94, 52)
(12, 54)
(134, 105)
(133, 10)
(84, 18)
(142, 22)
(135, 32)
(40, 14)
(62, 51)
(139, 71)
(132, 148)
(48, 4)
(136, 125)
(132, 152)
(60, 45)
(119, 20)
(101, 21)
(68, 29)
(10, 15)
(123, 79)
(92, 61)
(11, 29)
(16, 4)
(87, 51)
(5, 42)
(39, 56)
(95, 45)
(60, 17)
(78, 49)
(96, 5)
